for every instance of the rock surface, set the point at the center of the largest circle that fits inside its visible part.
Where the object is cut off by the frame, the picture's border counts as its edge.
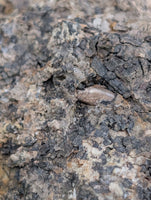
(53, 145)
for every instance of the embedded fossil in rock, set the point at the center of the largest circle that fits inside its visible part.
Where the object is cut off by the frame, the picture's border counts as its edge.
(95, 94)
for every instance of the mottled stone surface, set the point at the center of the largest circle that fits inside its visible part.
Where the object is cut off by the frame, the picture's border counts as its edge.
(53, 145)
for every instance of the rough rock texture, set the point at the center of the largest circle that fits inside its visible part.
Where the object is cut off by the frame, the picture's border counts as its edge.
(53, 146)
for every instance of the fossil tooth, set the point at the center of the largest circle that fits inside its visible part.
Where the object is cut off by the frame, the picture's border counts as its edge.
(94, 94)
